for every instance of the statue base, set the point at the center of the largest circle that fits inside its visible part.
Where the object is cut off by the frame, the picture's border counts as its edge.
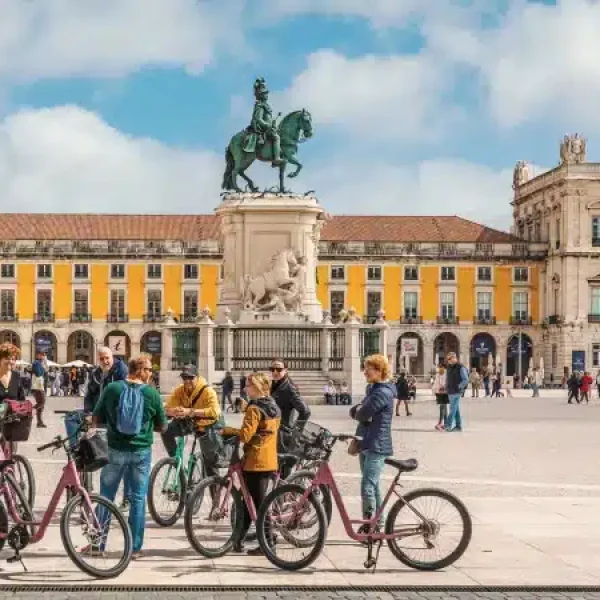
(255, 227)
(256, 317)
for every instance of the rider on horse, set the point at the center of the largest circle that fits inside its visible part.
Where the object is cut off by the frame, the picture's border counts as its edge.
(263, 126)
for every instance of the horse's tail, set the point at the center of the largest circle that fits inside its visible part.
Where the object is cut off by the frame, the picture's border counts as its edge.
(230, 164)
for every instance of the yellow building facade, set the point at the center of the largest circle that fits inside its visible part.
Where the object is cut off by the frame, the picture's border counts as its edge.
(446, 284)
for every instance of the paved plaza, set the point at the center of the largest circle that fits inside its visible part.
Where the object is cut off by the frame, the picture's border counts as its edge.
(526, 468)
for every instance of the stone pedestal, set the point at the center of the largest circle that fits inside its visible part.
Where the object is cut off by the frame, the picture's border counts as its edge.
(206, 355)
(255, 227)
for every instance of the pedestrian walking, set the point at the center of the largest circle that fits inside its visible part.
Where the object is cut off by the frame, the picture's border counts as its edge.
(441, 396)
(457, 379)
(536, 382)
(38, 384)
(132, 410)
(402, 393)
(475, 381)
(227, 388)
(586, 387)
(573, 387)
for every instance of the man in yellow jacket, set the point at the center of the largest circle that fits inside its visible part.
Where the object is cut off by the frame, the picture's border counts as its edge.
(194, 399)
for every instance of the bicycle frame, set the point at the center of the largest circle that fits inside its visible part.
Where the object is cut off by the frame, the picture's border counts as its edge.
(69, 479)
(180, 459)
(324, 476)
(234, 473)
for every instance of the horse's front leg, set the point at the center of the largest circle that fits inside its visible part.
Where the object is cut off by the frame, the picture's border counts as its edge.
(242, 172)
(293, 161)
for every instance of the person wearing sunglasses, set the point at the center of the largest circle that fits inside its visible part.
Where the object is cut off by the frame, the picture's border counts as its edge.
(294, 410)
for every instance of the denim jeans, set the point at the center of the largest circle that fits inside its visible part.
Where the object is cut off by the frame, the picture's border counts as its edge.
(536, 390)
(371, 466)
(134, 468)
(454, 418)
(72, 423)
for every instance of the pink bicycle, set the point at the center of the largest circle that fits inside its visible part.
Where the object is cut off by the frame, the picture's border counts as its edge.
(291, 519)
(93, 515)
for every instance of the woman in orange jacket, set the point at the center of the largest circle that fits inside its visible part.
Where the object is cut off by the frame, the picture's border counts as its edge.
(258, 433)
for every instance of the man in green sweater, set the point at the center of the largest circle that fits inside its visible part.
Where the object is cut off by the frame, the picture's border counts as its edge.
(132, 410)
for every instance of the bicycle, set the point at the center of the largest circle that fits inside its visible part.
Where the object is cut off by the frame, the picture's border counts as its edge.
(285, 510)
(23, 471)
(95, 523)
(224, 502)
(180, 478)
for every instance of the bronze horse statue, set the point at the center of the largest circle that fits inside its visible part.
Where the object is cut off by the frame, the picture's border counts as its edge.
(293, 129)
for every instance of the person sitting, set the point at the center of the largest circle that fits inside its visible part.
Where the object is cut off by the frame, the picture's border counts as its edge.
(344, 396)
(330, 393)
(194, 399)
(258, 433)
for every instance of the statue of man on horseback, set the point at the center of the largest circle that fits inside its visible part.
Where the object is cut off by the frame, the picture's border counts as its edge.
(263, 127)
(266, 140)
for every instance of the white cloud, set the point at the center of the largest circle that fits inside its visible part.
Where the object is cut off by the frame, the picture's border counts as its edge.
(396, 97)
(62, 38)
(379, 12)
(67, 159)
(540, 62)
(433, 187)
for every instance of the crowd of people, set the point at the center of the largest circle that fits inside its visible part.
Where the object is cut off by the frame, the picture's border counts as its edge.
(267, 400)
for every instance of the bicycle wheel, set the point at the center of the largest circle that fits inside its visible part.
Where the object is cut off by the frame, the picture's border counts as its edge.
(93, 543)
(24, 477)
(282, 513)
(323, 493)
(3, 524)
(213, 517)
(22, 506)
(166, 492)
(430, 530)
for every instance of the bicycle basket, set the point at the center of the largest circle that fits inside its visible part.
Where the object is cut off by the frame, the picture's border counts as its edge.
(310, 440)
(91, 452)
(228, 453)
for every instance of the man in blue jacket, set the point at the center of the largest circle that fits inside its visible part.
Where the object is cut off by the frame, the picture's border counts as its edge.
(457, 380)
(39, 368)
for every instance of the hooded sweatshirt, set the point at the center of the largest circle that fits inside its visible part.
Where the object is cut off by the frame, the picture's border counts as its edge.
(258, 433)
(375, 416)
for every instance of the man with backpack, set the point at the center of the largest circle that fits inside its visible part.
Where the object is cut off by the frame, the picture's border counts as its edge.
(457, 380)
(132, 410)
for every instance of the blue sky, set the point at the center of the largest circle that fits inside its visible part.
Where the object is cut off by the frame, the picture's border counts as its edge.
(418, 108)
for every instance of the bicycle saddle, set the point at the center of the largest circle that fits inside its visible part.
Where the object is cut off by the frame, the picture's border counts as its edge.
(402, 465)
(290, 459)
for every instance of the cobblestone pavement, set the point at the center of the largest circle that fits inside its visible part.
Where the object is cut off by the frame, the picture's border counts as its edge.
(438, 594)
(518, 467)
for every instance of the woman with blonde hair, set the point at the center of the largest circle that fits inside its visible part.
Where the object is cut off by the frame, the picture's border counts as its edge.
(259, 435)
(374, 415)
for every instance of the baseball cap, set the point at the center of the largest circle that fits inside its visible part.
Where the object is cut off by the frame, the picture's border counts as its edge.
(189, 372)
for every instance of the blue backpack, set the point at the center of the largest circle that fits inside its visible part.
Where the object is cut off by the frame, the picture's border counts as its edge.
(130, 412)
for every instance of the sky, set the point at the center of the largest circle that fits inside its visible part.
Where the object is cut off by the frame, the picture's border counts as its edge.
(418, 107)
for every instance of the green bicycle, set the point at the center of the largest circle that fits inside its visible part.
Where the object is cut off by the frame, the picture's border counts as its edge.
(173, 479)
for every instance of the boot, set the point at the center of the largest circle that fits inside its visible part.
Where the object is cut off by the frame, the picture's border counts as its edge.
(40, 422)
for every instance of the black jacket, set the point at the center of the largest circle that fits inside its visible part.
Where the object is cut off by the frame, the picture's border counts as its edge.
(98, 381)
(402, 388)
(286, 395)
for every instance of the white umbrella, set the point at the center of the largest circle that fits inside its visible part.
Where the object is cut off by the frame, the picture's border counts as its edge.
(78, 364)
(51, 363)
(23, 363)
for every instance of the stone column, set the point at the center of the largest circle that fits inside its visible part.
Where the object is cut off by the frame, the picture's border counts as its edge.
(326, 342)
(206, 355)
(384, 333)
(166, 351)
(352, 370)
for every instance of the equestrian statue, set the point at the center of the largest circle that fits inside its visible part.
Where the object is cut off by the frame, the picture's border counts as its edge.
(266, 140)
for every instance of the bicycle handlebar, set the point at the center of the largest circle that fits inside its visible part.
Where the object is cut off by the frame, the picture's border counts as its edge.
(57, 442)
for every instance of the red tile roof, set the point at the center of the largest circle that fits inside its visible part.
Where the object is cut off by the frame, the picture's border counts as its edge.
(382, 228)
